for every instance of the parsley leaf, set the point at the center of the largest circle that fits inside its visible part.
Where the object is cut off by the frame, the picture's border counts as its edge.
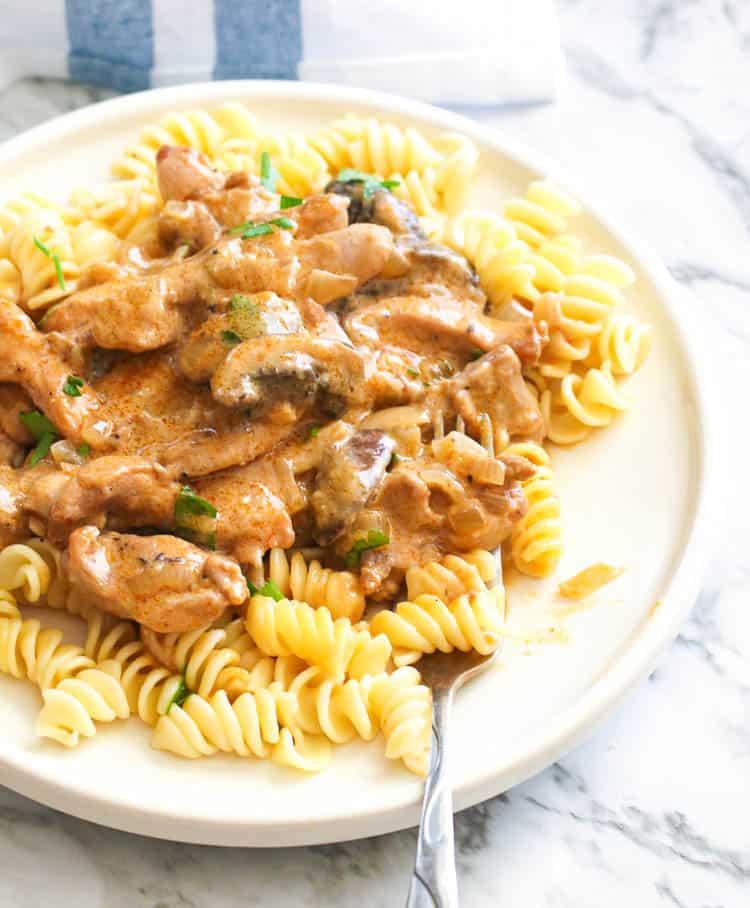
(240, 302)
(269, 589)
(45, 250)
(476, 353)
(180, 695)
(374, 540)
(72, 386)
(284, 223)
(413, 372)
(83, 450)
(42, 448)
(268, 173)
(188, 504)
(231, 338)
(37, 423)
(314, 431)
(289, 201)
(195, 518)
(371, 183)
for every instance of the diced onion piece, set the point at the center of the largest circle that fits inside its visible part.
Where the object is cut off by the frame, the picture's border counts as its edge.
(589, 580)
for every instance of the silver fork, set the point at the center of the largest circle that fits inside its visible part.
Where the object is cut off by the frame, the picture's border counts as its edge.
(433, 883)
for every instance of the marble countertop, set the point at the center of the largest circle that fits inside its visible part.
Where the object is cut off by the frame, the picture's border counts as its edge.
(654, 810)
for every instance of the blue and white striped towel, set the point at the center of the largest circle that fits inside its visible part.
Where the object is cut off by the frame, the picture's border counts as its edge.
(449, 51)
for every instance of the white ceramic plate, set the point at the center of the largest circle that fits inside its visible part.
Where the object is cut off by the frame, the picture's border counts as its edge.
(635, 494)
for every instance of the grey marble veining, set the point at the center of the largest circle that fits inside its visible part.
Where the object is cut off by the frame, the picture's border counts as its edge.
(654, 810)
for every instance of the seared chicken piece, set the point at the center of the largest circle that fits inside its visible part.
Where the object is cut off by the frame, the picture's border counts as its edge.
(431, 510)
(184, 173)
(163, 582)
(351, 471)
(30, 359)
(440, 327)
(132, 490)
(146, 313)
(151, 409)
(14, 401)
(493, 385)
(251, 518)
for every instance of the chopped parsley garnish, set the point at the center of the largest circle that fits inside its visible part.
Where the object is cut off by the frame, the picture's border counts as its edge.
(231, 338)
(476, 353)
(268, 173)
(413, 372)
(83, 450)
(55, 261)
(374, 540)
(371, 183)
(394, 459)
(72, 386)
(239, 302)
(42, 448)
(44, 432)
(269, 589)
(315, 431)
(248, 231)
(180, 695)
(289, 201)
(284, 223)
(195, 518)
(37, 423)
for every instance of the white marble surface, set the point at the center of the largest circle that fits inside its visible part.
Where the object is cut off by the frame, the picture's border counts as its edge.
(654, 809)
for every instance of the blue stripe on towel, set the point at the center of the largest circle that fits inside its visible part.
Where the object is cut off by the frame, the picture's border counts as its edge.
(257, 39)
(111, 42)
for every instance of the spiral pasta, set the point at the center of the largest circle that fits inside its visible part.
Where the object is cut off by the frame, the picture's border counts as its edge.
(125, 208)
(41, 282)
(255, 724)
(452, 576)
(542, 213)
(501, 260)
(536, 540)
(473, 621)
(10, 282)
(193, 128)
(73, 706)
(294, 628)
(581, 403)
(373, 146)
(624, 342)
(339, 591)
(402, 706)
(23, 569)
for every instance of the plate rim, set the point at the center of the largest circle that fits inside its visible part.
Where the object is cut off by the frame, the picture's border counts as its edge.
(588, 709)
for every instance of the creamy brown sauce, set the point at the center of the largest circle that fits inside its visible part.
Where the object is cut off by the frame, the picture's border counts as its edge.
(295, 376)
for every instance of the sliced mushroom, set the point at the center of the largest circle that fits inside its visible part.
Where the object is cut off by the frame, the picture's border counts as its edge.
(293, 368)
(247, 317)
(349, 473)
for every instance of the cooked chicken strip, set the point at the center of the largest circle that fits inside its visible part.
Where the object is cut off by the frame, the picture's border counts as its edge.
(145, 313)
(453, 327)
(163, 582)
(29, 359)
(493, 385)
(133, 490)
(251, 519)
(14, 401)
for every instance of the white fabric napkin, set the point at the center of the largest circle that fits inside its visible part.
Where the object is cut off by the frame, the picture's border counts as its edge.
(444, 51)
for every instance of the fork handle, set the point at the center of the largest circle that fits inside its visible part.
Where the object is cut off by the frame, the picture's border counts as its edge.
(433, 884)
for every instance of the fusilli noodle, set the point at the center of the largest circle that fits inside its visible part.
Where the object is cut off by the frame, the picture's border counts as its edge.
(307, 582)
(294, 628)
